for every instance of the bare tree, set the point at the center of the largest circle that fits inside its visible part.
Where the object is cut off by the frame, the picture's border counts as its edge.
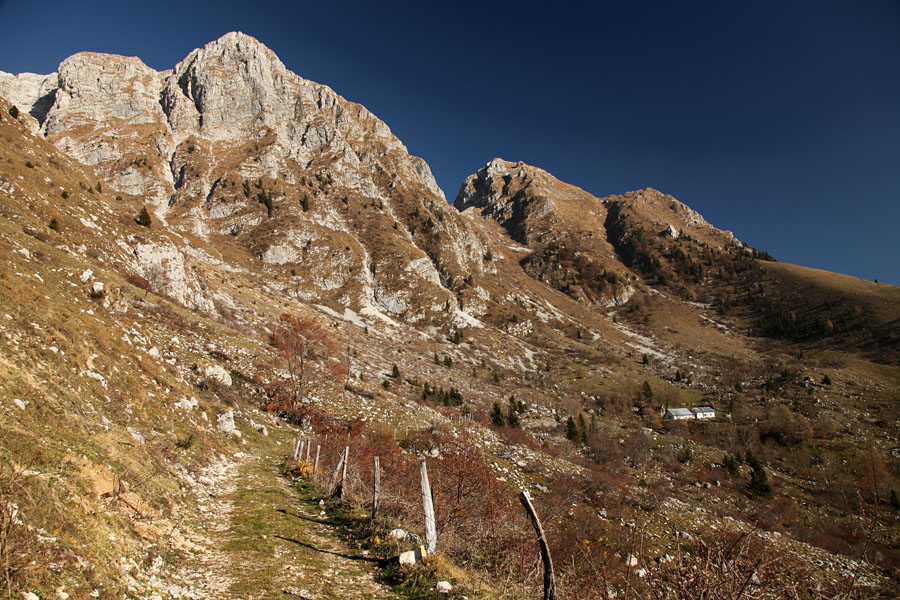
(303, 342)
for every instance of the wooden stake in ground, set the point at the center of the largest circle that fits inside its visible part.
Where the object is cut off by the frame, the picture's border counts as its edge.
(344, 471)
(294, 454)
(549, 579)
(308, 445)
(316, 464)
(340, 474)
(300, 450)
(335, 475)
(376, 489)
(428, 506)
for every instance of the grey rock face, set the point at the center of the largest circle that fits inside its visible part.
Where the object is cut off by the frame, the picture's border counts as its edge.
(178, 139)
(91, 88)
(228, 91)
(163, 266)
(31, 93)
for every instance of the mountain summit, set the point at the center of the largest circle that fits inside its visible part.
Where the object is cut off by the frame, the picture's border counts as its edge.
(230, 143)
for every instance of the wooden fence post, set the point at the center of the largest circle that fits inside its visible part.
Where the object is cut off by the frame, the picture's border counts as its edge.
(428, 506)
(308, 445)
(339, 474)
(333, 483)
(344, 471)
(296, 449)
(316, 464)
(376, 489)
(549, 579)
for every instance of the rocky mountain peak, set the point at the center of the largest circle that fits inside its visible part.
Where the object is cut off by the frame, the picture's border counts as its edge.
(231, 90)
(501, 182)
(231, 86)
(229, 146)
(520, 196)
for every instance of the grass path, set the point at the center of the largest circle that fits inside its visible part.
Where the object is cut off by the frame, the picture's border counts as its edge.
(267, 538)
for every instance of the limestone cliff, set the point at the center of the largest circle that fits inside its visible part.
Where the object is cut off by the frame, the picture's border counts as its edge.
(270, 172)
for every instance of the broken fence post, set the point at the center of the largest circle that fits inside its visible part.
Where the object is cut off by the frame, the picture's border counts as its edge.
(428, 506)
(549, 579)
(376, 488)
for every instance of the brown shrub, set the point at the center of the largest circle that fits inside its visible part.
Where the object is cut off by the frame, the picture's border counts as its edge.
(18, 545)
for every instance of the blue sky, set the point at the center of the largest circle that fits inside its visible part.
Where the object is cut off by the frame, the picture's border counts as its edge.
(777, 120)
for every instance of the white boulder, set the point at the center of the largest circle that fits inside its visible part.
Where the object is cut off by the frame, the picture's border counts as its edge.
(225, 423)
(218, 374)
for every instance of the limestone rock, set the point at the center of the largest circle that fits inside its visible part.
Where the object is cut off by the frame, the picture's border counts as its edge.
(163, 266)
(187, 403)
(225, 423)
(31, 93)
(443, 587)
(136, 435)
(411, 557)
(402, 534)
(218, 374)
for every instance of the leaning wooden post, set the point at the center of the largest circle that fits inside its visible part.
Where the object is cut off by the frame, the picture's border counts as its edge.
(308, 444)
(376, 489)
(344, 471)
(296, 449)
(335, 475)
(549, 579)
(428, 506)
(316, 464)
(300, 450)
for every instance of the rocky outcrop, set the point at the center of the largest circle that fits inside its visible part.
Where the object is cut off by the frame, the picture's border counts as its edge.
(229, 141)
(163, 266)
(32, 93)
(228, 91)
(562, 225)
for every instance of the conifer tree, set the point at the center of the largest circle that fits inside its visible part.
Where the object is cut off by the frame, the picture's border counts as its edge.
(143, 218)
(759, 480)
(512, 414)
(497, 415)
